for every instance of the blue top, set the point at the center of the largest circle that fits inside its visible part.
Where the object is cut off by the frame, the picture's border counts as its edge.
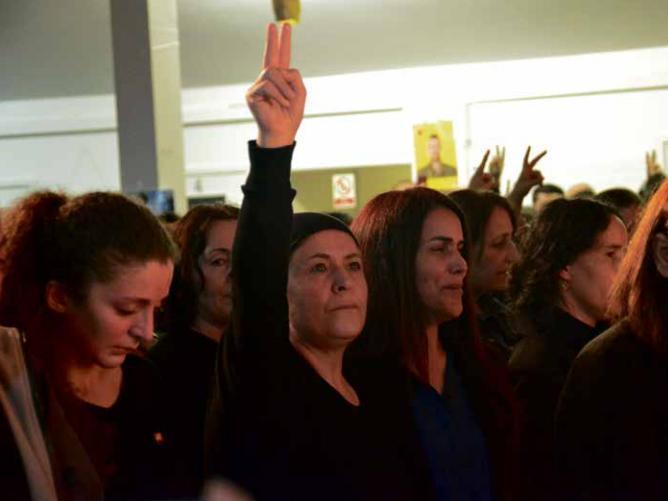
(453, 441)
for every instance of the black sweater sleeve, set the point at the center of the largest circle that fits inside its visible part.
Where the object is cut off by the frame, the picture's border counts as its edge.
(253, 349)
(261, 250)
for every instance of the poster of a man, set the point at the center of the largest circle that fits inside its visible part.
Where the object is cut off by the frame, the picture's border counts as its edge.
(435, 156)
(435, 167)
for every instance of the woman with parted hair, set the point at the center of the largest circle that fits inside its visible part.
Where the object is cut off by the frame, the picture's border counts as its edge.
(612, 421)
(491, 223)
(421, 317)
(197, 312)
(560, 291)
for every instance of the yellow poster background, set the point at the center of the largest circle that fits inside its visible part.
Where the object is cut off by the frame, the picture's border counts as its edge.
(422, 134)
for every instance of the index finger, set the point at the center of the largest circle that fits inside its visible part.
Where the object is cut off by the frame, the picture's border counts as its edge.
(525, 165)
(481, 167)
(285, 46)
(535, 160)
(271, 47)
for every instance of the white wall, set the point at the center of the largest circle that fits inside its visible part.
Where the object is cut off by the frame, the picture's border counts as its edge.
(600, 139)
(596, 114)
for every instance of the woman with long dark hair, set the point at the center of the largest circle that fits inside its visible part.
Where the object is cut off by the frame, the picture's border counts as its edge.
(611, 426)
(491, 223)
(197, 312)
(560, 292)
(82, 278)
(421, 317)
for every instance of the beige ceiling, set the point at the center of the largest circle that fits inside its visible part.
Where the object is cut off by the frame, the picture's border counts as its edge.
(63, 47)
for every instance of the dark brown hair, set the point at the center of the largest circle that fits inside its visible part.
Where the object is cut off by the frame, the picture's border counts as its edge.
(389, 229)
(477, 207)
(190, 235)
(564, 230)
(75, 241)
(639, 292)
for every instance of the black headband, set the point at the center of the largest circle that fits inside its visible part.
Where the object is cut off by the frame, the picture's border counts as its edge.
(305, 224)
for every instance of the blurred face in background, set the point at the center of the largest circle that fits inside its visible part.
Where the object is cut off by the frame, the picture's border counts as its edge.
(434, 149)
(215, 299)
(630, 217)
(492, 270)
(542, 199)
(587, 281)
(440, 268)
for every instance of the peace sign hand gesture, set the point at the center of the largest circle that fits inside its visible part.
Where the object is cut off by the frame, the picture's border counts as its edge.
(496, 163)
(481, 180)
(652, 166)
(276, 99)
(528, 178)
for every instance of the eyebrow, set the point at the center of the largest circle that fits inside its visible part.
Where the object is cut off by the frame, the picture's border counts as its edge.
(321, 255)
(445, 240)
(137, 300)
(219, 249)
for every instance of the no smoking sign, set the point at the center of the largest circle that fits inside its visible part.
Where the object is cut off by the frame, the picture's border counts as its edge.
(344, 194)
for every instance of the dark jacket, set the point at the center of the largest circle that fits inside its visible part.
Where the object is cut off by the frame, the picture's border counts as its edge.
(186, 360)
(612, 421)
(109, 453)
(538, 368)
(276, 428)
(496, 329)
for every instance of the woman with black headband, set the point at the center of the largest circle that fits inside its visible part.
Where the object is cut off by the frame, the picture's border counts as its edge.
(287, 421)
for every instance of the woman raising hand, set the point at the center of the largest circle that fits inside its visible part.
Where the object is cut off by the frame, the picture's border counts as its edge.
(287, 421)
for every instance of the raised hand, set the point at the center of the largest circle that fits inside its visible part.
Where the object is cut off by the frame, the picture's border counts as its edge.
(652, 166)
(528, 178)
(276, 99)
(480, 179)
(496, 164)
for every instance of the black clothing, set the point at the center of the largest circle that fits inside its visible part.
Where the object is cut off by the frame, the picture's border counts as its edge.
(13, 479)
(452, 438)
(306, 224)
(538, 369)
(123, 444)
(186, 362)
(612, 421)
(280, 430)
(496, 329)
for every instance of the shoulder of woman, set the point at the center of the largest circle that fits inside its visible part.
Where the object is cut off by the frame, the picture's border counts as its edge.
(618, 340)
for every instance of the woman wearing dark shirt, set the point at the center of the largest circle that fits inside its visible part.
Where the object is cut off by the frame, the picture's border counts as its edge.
(560, 291)
(421, 317)
(491, 223)
(611, 425)
(287, 421)
(82, 278)
(197, 313)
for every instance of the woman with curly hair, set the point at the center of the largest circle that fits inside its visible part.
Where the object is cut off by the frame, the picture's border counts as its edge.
(612, 439)
(560, 292)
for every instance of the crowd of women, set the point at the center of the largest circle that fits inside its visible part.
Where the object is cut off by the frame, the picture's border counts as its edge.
(439, 348)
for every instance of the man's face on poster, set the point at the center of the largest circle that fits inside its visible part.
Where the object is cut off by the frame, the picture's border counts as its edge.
(434, 149)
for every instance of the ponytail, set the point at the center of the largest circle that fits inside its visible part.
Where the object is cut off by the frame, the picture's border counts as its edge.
(28, 236)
